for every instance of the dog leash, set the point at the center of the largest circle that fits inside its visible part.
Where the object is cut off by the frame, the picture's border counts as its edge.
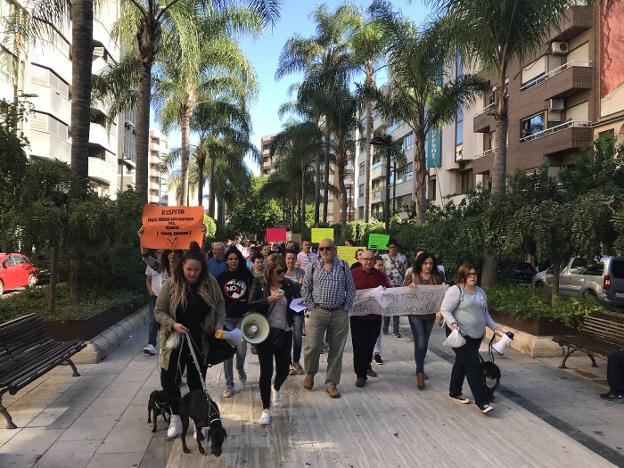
(191, 346)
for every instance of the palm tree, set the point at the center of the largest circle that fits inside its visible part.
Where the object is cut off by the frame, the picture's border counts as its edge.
(327, 55)
(418, 93)
(142, 23)
(494, 33)
(369, 46)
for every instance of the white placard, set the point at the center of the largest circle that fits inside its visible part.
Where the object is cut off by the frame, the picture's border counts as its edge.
(419, 300)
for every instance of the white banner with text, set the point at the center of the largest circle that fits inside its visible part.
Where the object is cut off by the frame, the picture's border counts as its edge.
(420, 300)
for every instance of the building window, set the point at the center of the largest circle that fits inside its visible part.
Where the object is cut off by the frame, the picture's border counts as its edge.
(361, 191)
(531, 126)
(467, 181)
(8, 64)
(409, 172)
(361, 167)
(408, 141)
(361, 212)
(431, 189)
(46, 123)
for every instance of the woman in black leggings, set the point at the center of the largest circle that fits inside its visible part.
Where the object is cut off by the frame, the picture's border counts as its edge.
(190, 301)
(273, 301)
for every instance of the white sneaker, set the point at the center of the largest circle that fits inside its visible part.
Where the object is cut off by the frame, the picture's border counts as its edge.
(277, 398)
(175, 427)
(149, 349)
(265, 417)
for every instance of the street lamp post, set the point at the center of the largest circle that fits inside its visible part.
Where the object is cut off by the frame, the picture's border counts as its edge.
(385, 141)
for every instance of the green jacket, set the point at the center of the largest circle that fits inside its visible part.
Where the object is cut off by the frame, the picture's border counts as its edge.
(164, 315)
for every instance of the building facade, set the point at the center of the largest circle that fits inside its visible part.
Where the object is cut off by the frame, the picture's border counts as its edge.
(267, 164)
(157, 175)
(570, 91)
(42, 73)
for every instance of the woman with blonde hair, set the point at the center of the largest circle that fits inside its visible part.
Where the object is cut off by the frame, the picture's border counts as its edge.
(189, 302)
(273, 301)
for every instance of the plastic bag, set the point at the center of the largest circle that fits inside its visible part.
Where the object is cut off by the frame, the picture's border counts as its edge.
(455, 340)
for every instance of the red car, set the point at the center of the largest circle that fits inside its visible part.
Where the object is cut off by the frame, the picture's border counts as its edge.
(16, 271)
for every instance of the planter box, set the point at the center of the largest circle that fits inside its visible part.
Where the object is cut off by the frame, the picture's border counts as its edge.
(542, 326)
(66, 330)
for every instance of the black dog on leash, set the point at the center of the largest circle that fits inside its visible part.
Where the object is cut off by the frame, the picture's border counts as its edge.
(204, 412)
(490, 372)
(158, 405)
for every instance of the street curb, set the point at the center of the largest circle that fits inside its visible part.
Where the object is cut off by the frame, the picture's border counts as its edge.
(110, 339)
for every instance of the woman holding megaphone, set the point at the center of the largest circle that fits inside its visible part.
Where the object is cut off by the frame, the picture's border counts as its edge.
(273, 301)
(465, 309)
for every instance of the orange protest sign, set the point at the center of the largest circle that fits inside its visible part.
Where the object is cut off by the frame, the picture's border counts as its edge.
(172, 227)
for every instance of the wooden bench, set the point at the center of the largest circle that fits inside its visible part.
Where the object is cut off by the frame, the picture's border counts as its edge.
(26, 353)
(600, 334)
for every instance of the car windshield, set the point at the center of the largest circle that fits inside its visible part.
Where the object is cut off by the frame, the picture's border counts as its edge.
(617, 269)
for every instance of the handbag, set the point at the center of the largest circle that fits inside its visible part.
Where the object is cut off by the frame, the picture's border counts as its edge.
(218, 351)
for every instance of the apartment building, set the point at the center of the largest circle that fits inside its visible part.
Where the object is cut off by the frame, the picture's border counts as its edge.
(157, 175)
(268, 164)
(41, 74)
(570, 91)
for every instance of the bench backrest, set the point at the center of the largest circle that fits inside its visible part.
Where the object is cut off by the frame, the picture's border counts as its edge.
(19, 336)
(606, 327)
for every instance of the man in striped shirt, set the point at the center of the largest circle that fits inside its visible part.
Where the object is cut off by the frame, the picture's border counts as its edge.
(328, 292)
(306, 255)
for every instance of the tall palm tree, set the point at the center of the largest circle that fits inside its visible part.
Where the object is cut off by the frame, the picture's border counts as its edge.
(369, 46)
(494, 33)
(416, 94)
(328, 55)
(142, 23)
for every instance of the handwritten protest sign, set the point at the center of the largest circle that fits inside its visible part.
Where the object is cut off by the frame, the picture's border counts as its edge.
(421, 300)
(276, 235)
(378, 241)
(347, 253)
(318, 234)
(172, 227)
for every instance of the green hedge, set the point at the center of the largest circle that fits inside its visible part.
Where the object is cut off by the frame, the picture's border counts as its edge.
(92, 303)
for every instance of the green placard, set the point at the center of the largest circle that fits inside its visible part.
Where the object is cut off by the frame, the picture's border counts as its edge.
(378, 241)
(318, 234)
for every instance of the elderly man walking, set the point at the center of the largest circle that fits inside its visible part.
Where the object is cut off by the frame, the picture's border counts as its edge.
(216, 265)
(328, 292)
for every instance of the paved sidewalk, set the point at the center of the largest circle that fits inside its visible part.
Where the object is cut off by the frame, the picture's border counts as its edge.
(99, 419)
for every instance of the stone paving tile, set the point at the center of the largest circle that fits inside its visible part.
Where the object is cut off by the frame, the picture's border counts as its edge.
(64, 454)
(116, 460)
(130, 434)
(31, 441)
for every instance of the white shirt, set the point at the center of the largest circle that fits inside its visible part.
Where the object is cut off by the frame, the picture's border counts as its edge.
(157, 279)
(303, 259)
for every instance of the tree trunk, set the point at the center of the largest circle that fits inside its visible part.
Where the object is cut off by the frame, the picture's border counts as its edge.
(303, 196)
(317, 189)
(326, 176)
(82, 51)
(343, 193)
(554, 295)
(394, 178)
(201, 162)
(185, 149)
(420, 175)
(387, 191)
(82, 57)
(368, 160)
(488, 273)
(211, 184)
(53, 278)
(147, 42)
(222, 213)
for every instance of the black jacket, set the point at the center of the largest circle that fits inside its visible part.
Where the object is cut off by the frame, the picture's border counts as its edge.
(259, 292)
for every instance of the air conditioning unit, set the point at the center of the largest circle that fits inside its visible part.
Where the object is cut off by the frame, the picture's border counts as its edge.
(99, 52)
(556, 104)
(554, 116)
(559, 48)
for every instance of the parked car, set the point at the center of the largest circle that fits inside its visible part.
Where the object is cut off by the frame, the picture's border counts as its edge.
(602, 278)
(518, 273)
(16, 271)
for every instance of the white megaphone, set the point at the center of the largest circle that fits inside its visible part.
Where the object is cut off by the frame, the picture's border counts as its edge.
(255, 328)
(502, 343)
(233, 336)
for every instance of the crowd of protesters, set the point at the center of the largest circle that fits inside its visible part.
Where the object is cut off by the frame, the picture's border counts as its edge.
(201, 292)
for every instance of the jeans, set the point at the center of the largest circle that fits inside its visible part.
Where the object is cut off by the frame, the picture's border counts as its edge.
(241, 351)
(421, 330)
(615, 371)
(364, 333)
(468, 364)
(395, 324)
(297, 337)
(154, 326)
(336, 323)
(282, 363)
(170, 378)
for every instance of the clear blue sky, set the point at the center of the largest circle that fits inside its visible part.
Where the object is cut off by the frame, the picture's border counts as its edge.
(295, 17)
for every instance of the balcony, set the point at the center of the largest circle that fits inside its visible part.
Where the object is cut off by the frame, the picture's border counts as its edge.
(378, 195)
(98, 135)
(47, 145)
(577, 19)
(484, 122)
(51, 102)
(103, 36)
(571, 135)
(568, 79)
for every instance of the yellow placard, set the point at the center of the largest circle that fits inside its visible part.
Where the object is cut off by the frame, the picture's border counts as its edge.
(347, 253)
(318, 234)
